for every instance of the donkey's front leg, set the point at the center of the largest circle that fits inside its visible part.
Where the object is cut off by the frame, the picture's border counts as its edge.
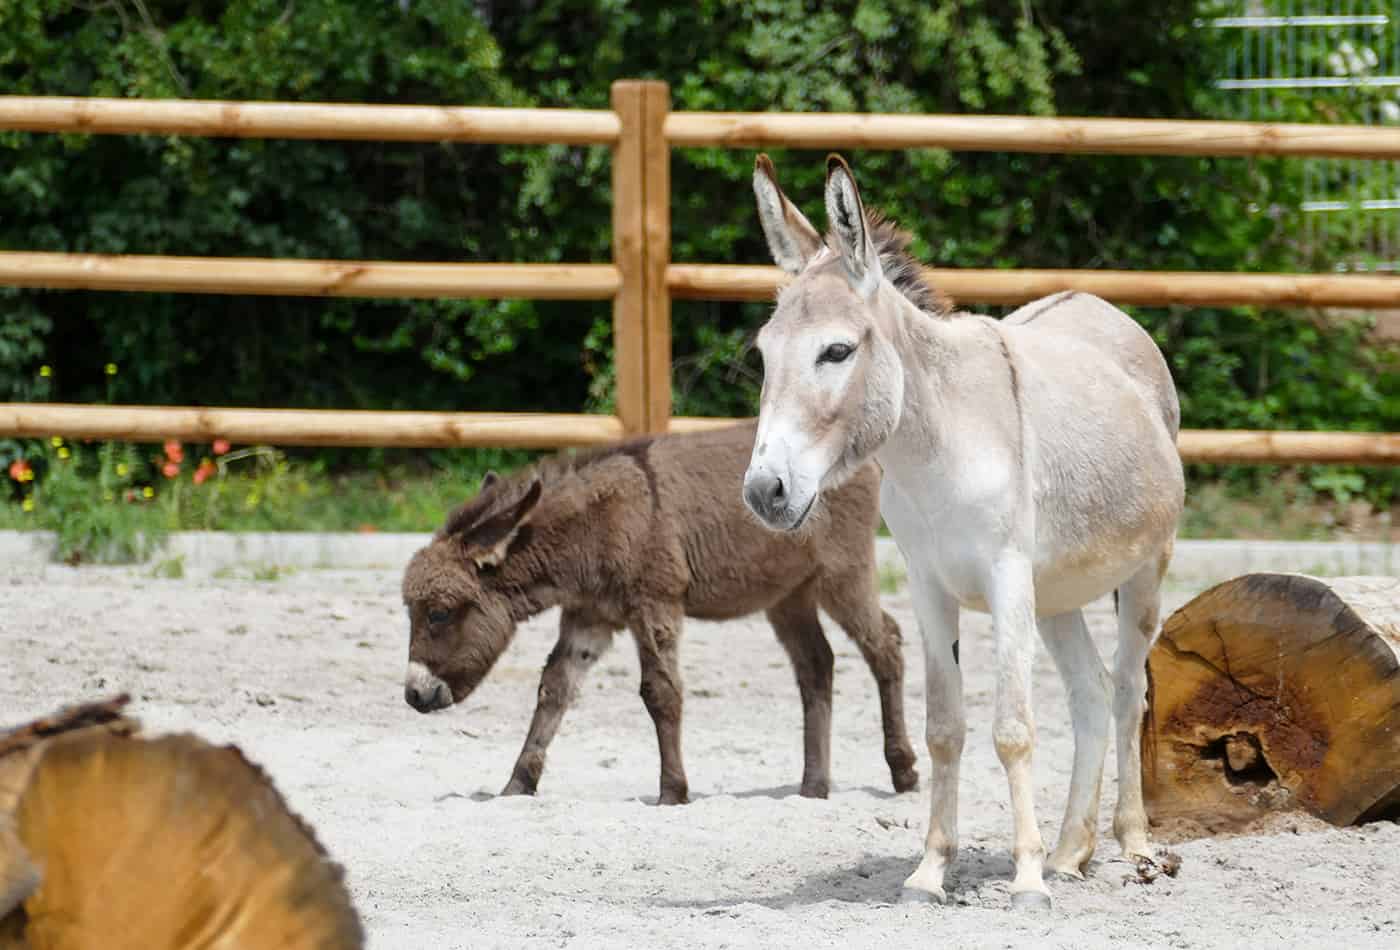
(945, 730)
(1011, 596)
(583, 638)
(657, 633)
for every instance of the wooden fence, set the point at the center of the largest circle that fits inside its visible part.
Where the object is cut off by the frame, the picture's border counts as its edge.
(641, 280)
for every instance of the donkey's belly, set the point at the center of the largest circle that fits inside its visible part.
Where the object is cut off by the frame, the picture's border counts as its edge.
(1069, 582)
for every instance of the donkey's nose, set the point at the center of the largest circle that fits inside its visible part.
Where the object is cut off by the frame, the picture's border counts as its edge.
(426, 697)
(765, 493)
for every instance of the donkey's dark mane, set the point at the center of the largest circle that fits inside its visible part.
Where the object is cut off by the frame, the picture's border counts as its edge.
(550, 470)
(902, 268)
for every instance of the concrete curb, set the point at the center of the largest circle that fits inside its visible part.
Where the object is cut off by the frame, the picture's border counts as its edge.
(1195, 562)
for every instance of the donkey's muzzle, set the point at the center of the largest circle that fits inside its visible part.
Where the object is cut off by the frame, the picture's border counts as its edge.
(424, 691)
(766, 496)
(427, 700)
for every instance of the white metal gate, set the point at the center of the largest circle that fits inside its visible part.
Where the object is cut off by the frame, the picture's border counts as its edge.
(1323, 61)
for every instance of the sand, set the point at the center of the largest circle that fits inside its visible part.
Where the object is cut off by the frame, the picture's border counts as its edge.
(304, 672)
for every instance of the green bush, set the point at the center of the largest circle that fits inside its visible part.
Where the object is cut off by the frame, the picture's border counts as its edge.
(447, 202)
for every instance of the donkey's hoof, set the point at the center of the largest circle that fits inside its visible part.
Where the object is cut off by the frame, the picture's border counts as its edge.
(815, 790)
(1064, 874)
(517, 787)
(906, 781)
(1033, 901)
(917, 895)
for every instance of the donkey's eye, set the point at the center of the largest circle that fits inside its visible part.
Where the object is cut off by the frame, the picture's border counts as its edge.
(836, 353)
(438, 616)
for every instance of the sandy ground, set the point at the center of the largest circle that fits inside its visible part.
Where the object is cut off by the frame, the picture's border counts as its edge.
(305, 673)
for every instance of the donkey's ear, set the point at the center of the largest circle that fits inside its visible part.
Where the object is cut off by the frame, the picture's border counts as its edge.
(791, 238)
(846, 214)
(488, 542)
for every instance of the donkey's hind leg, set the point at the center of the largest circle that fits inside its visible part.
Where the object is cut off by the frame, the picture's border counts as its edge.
(854, 603)
(1086, 681)
(582, 640)
(1139, 611)
(800, 632)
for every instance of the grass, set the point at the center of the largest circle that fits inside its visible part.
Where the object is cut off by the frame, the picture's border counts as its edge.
(112, 503)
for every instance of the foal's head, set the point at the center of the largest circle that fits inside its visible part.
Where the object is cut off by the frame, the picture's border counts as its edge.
(833, 385)
(462, 606)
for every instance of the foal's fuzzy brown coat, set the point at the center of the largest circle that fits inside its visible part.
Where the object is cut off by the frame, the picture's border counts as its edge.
(640, 535)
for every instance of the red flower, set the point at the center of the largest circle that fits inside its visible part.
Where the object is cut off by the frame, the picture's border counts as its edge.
(173, 451)
(206, 468)
(170, 469)
(221, 446)
(20, 470)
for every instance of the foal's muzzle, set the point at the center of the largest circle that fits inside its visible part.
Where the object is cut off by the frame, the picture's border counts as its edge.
(424, 691)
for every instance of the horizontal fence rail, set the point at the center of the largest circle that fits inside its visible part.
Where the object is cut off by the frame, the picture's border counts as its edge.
(307, 278)
(330, 278)
(995, 133)
(347, 428)
(308, 120)
(1150, 288)
(641, 279)
(313, 427)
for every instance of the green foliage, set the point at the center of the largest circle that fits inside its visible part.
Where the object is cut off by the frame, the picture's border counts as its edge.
(447, 202)
(93, 501)
(116, 503)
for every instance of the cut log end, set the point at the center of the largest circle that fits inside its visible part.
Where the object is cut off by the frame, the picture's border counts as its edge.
(156, 843)
(1275, 692)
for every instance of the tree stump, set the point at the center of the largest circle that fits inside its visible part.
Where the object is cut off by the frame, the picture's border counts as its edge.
(110, 839)
(1275, 692)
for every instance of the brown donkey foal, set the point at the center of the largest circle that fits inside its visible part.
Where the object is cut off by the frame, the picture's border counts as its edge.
(641, 535)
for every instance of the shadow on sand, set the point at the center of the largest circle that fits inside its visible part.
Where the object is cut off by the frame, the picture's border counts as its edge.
(876, 879)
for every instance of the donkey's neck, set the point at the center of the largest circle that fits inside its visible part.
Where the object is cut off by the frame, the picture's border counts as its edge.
(549, 565)
(928, 348)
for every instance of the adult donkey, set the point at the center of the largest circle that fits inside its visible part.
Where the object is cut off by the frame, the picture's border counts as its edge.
(1030, 467)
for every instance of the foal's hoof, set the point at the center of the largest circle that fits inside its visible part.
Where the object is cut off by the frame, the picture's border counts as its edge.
(906, 781)
(1033, 901)
(917, 895)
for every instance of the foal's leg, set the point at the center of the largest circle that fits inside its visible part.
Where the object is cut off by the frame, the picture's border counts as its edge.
(1012, 600)
(657, 632)
(582, 640)
(853, 602)
(945, 730)
(1139, 608)
(800, 631)
(1069, 645)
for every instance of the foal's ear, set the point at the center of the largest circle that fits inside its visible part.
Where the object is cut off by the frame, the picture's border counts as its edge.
(846, 215)
(791, 238)
(488, 542)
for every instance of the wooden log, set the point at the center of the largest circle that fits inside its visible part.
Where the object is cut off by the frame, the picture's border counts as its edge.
(520, 430)
(306, 278)
(309, 120)
(1276, 692)
(116, 841)
(1005, 133)
(1012, 287)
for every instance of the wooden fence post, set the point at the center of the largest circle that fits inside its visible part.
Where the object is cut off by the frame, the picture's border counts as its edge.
(642, 252)
(629, 255)
(656, 187)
